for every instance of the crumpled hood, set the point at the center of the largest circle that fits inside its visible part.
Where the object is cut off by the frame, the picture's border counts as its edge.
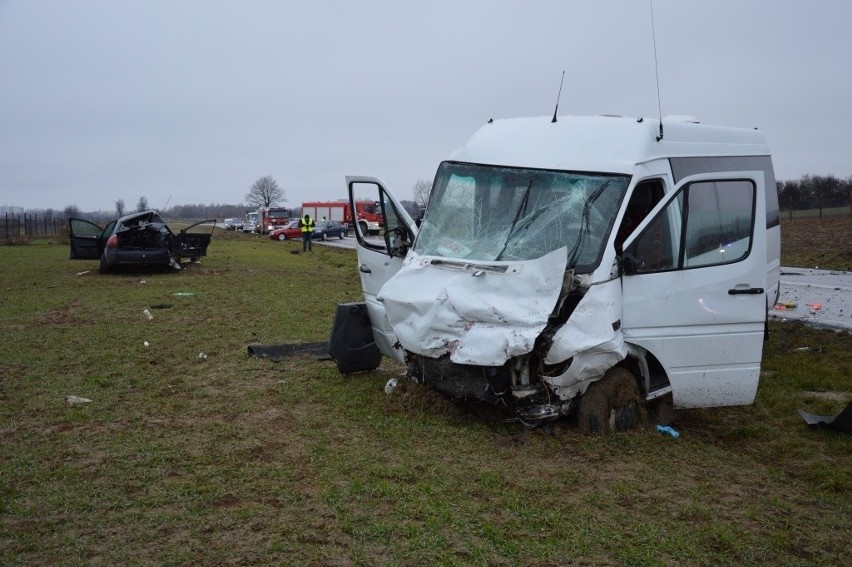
(478, 315)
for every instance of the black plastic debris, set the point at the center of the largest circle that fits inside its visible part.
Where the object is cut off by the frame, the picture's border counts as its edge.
(280, 352)
(351, 342)
(840, 422)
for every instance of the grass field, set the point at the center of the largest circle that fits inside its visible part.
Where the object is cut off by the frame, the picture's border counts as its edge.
(810, 242)
(181, 459)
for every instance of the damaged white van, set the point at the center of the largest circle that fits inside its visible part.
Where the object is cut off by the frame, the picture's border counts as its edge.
(584, 266)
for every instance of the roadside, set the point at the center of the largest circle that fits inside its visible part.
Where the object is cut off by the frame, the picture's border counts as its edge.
(819, 298)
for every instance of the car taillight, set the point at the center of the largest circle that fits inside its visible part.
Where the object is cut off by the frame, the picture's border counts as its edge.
(112, 242)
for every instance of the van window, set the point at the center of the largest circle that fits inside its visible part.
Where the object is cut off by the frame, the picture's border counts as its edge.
(709, 223)
(644, 197)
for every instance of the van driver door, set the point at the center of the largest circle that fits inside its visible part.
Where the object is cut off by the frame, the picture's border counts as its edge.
(694, 287)
(380, 257)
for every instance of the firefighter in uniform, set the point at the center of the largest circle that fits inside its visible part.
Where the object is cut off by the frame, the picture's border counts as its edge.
(306, 224)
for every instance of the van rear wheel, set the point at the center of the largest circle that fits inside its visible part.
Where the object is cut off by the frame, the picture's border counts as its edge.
(611, 404)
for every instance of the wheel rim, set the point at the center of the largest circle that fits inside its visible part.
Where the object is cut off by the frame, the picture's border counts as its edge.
(282, 237)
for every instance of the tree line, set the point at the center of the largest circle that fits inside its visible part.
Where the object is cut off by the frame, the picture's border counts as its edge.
(814, 192)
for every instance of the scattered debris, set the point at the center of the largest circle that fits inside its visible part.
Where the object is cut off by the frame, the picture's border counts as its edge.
(202, 356)
(147, 314)
(142, 281)
(783, 306)
(814, 306)
(77, 400)
(83, 273)
(162, 306)
(840, 422)
(146, 344)
(668, 430)
(391, 386)
(808, 349)
(184, 293)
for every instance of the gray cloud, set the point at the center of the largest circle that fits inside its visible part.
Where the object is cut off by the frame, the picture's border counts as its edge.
(196, 100)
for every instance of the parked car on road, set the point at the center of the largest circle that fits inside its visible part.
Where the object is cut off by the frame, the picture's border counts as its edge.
(326, 229)
(249, 226)
(290, 231)
(233, 224)
(323, 230)
(140, 239)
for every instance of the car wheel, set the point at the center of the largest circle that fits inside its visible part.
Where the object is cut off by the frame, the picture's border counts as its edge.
(325, 236)
(103, 268)
(341, 235)
(611, 404)
(282, 237)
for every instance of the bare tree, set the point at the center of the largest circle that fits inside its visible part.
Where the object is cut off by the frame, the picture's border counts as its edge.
(119, 207)
(265, 192)
(422, 191)
(71, 211)
(142, 205)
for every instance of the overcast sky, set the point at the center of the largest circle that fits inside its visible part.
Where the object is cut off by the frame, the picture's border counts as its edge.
(195, 100)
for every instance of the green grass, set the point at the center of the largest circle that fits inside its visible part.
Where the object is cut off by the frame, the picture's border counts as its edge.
(231, 459)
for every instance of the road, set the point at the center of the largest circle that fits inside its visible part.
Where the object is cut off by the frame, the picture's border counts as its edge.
(822, 298)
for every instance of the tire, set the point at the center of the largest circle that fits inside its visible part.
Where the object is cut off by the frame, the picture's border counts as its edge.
(611, 404)
(340, 235)
(661, 410)
(324, 236)
(282, 237)
(102, 266)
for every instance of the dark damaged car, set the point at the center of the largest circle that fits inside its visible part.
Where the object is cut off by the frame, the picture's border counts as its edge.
(138, 240)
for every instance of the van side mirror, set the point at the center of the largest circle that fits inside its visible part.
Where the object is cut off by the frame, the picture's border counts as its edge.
(398, 242)
(630, 264)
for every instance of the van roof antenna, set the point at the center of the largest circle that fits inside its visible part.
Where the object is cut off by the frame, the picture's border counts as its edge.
(656, 71)
(555, 110)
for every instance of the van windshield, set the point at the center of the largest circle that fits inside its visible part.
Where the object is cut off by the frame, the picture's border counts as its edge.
(489, 213)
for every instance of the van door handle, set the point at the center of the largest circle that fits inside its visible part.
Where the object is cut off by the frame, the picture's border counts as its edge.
(746, 291)
(364, 269)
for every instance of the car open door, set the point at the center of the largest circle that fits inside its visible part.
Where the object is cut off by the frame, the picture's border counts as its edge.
(694, 287)
(87, 239)
(194, 239)
(380, 257)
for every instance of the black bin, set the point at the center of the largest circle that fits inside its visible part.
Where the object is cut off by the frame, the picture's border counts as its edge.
(351, 342)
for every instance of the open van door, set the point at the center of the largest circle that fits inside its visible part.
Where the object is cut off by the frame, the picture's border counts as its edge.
(87, 239)
(380, 257)
(694, 284)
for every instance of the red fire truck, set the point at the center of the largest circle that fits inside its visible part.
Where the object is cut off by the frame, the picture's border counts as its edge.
(369, 213)
(270, 218)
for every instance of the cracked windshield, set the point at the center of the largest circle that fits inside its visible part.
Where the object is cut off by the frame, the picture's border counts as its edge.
(488, 213)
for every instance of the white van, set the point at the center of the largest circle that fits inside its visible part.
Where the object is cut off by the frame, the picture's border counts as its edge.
(582, 266)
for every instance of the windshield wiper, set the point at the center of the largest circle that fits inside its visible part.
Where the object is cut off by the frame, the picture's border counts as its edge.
(521, 209)
(584, 223)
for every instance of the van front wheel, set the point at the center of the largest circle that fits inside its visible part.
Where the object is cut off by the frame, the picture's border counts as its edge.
(611, 404)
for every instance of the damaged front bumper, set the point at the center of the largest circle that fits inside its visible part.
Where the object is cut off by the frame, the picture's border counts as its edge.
(528, 336)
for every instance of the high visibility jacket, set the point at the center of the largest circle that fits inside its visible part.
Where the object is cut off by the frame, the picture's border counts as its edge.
(306, 225)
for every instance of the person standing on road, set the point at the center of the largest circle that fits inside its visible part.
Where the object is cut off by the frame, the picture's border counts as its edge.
(306, 225)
